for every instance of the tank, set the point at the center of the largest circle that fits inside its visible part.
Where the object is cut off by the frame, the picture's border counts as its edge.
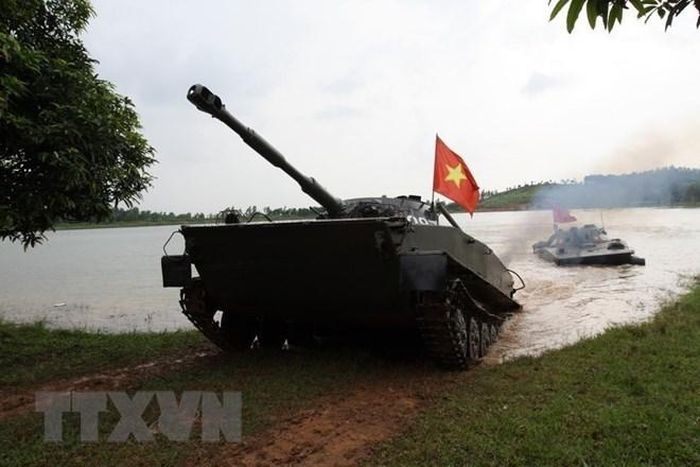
(585, 245)
(377, 266)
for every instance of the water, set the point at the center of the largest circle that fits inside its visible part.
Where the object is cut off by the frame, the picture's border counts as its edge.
(564, 304)
(109, 279)
(106, 279)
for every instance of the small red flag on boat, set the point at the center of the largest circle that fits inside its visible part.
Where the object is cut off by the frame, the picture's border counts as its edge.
(562, 215)
(453, 179)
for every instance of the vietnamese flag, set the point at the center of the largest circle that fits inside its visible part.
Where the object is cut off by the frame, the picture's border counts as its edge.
(453, 179)
(561, 215)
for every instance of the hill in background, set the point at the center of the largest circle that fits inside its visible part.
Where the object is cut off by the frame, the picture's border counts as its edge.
(669, 186)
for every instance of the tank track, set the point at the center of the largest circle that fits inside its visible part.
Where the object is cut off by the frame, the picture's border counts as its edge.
(193, 301)
(450, 323)
(456, 330)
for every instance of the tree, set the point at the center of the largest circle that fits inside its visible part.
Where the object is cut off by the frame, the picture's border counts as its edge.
(611, 11)
(70, 146)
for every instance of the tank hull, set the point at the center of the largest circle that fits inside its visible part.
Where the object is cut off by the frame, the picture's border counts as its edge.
(601, 257)
(360, 272)
(585, 245)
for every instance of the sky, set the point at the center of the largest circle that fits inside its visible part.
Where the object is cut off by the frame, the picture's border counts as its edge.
(354, 92)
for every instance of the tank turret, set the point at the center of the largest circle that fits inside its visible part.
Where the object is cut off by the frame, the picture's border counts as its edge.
(208, 102)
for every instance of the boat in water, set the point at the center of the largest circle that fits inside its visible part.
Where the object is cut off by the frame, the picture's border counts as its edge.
(585, 245)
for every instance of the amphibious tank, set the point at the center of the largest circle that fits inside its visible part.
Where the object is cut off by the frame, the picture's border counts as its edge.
(585, 245)
(366, 266)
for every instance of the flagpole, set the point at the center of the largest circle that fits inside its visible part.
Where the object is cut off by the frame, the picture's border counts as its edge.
(432, 199)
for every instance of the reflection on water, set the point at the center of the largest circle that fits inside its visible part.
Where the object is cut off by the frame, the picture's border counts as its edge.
(564, 304)
(109, 279)
(105, 279)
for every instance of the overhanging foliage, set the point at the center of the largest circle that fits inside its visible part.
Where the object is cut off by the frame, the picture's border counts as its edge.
(611, 11)
(70, 146)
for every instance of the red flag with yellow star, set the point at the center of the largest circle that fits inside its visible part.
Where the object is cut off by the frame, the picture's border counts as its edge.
(453, 179)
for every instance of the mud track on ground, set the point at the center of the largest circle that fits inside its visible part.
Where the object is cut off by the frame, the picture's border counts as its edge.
(342, 429)
(13, 403)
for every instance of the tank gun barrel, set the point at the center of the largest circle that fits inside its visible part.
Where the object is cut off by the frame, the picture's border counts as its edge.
(208, 102)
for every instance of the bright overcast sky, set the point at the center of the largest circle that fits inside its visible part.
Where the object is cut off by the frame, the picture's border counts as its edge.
(353, 93)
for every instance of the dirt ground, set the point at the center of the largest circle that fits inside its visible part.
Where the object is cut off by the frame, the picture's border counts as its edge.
(13, 403)
(339, 431)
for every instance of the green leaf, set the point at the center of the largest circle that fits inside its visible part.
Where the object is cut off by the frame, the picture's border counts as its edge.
(638, 5)
(71, 145)
(592, 11)
(669, 21)
(615, 15)
(603, 12)
(557, 8)
(574, 11)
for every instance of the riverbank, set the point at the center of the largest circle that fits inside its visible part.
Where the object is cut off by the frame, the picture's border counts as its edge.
(34, 354)
(278, 389)
(115, 225)
(628, 396)
(498, 205)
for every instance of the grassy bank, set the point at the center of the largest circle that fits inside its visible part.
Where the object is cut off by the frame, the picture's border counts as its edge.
(273, 387)
(33, 354)
(628, 397)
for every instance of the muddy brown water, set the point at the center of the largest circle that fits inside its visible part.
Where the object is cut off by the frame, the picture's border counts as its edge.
(109, 279)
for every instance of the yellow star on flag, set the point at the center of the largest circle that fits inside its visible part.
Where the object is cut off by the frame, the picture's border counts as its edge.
(455, 175)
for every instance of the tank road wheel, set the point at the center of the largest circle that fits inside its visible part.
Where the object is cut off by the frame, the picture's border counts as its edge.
(230, 333)
(238, 332)
(200, 312)
(493, 330)
(450, 335)
(474, 339)
(485, 338)
(459, 330)
(301, 335)
(272, 334)
(456, 330)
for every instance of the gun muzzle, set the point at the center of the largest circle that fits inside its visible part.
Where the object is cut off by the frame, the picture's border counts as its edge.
(204, 99)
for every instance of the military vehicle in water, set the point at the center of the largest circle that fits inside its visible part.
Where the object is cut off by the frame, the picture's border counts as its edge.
(585, 245)
(364, 265)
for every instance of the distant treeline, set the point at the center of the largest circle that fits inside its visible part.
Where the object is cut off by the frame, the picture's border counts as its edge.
(660, 187)
(136, 216)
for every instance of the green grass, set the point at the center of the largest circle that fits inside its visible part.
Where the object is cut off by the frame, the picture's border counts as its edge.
(628, 397)
(517, 198)
(273, 386)
(33, 354)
